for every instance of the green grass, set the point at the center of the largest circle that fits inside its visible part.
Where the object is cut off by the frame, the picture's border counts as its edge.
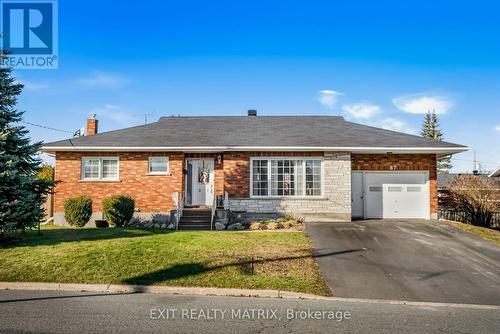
(483, 232)
(158, 257)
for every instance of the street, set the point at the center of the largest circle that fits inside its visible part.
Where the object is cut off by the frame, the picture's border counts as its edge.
(87, 312)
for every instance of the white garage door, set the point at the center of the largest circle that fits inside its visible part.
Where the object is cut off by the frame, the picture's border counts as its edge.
(396, 195)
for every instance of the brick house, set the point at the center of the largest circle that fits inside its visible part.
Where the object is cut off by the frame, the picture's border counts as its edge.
(306, 165)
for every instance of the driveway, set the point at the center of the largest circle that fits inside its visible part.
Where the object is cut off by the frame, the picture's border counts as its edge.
(413, 260)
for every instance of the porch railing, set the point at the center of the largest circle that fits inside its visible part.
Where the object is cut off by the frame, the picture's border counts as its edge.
(214, 207)
(179, 206)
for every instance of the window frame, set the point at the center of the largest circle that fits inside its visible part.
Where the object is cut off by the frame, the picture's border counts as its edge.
(158, 173)
(100, 178)
(303, 158)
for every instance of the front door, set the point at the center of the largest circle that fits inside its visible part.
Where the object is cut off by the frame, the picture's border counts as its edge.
(200, 182)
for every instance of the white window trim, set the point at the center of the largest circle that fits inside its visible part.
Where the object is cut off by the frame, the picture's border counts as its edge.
(159, 173)
(322, 191)
(100, 178)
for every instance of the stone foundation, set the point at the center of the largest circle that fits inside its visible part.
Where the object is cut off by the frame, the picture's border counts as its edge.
(161, 217)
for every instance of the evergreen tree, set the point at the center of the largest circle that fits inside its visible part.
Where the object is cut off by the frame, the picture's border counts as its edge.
(21, 191)
(430, 129)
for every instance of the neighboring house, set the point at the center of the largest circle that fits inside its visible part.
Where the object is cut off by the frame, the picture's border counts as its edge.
(495, 174)
(305, 165)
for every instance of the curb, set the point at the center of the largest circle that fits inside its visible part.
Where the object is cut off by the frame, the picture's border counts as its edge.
(222, 292)
(122, 288)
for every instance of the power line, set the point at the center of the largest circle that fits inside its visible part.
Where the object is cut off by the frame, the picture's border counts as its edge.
(47, 127)
(480, 161)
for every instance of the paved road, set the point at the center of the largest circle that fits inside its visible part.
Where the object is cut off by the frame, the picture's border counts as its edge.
(407, 260)
(70, 312)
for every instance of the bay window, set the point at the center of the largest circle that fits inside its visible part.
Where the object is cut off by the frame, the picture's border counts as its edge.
(105, 168)
(276, 177)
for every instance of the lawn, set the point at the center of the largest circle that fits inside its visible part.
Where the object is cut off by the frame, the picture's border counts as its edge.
(253, 260)
(485, 233)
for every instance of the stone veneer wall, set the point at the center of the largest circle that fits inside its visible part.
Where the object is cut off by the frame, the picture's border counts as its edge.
(336, 202)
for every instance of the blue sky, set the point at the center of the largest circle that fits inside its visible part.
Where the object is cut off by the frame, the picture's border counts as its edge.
(381, 63)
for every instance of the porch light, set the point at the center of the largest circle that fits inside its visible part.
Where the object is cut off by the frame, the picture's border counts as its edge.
(219, 159)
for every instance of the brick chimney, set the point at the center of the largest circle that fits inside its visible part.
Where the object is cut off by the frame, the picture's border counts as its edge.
(91, 125)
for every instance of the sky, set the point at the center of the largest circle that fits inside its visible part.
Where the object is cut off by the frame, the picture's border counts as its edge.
(381, 63)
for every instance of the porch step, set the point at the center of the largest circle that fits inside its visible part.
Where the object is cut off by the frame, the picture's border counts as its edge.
(195, 219)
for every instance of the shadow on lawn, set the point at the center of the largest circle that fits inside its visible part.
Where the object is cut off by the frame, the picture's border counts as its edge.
(57, 236)
(191, 269)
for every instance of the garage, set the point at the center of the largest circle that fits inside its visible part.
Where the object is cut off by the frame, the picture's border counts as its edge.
(394, 194)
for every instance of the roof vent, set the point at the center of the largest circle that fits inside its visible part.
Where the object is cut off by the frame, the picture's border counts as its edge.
(252, 112)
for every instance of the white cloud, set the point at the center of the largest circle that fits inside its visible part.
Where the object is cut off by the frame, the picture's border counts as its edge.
(328, 98)
(396, 125)
(115, 114)
(422, 103)
(361, 110)
(497, 128)
(30, 85)
(101, 79)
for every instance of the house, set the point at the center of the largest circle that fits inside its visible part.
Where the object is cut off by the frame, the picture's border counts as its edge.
(306, 165)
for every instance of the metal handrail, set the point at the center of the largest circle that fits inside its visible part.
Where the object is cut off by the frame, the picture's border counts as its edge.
(214, 205)
(179, 209)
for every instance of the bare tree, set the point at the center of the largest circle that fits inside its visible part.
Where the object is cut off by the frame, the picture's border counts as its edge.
(477, 197)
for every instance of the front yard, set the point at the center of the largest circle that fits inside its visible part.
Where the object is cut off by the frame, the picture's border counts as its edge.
(253, 260)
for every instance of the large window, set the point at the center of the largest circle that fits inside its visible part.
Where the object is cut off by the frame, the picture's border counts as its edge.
(105, 168)
(276, 177)
(158, 165)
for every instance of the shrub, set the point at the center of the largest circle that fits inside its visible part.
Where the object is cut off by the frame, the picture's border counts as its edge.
(476, 196)
(272, 226)
(78, 210)
(254, 226)
(118, 209)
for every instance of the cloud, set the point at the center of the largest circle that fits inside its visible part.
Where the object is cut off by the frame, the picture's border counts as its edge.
(361, 110)
(497, 128)
(396, 125)
(101, 79)
(328, 98)
(115, 114)
(422, 103)
(29, 85)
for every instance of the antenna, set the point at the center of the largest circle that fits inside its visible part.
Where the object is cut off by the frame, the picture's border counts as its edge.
(145, 117)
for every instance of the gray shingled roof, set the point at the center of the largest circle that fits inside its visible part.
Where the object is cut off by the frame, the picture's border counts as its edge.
(248, 131)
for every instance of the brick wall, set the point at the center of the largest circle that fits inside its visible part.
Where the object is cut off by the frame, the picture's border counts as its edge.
(152, 193)
(387, 162)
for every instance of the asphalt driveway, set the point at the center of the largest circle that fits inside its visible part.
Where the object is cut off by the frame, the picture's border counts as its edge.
(407, 260)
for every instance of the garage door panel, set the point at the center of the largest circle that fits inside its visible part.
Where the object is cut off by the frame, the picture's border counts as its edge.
(396, 195)
(404, 201)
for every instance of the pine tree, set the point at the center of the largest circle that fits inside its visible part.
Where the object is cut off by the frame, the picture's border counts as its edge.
(21, 192)
(430, 129)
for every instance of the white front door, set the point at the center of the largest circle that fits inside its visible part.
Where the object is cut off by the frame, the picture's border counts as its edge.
(357, 194)
(202, 181)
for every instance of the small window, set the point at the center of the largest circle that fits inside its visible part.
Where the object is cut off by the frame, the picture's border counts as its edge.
(413, 189)
(158, 165)
(375, 189)
(105, 168)
(395, 189)
(109, 168)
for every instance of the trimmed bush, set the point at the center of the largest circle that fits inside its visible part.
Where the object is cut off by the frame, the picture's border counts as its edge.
(78, 210)
(118, 209)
